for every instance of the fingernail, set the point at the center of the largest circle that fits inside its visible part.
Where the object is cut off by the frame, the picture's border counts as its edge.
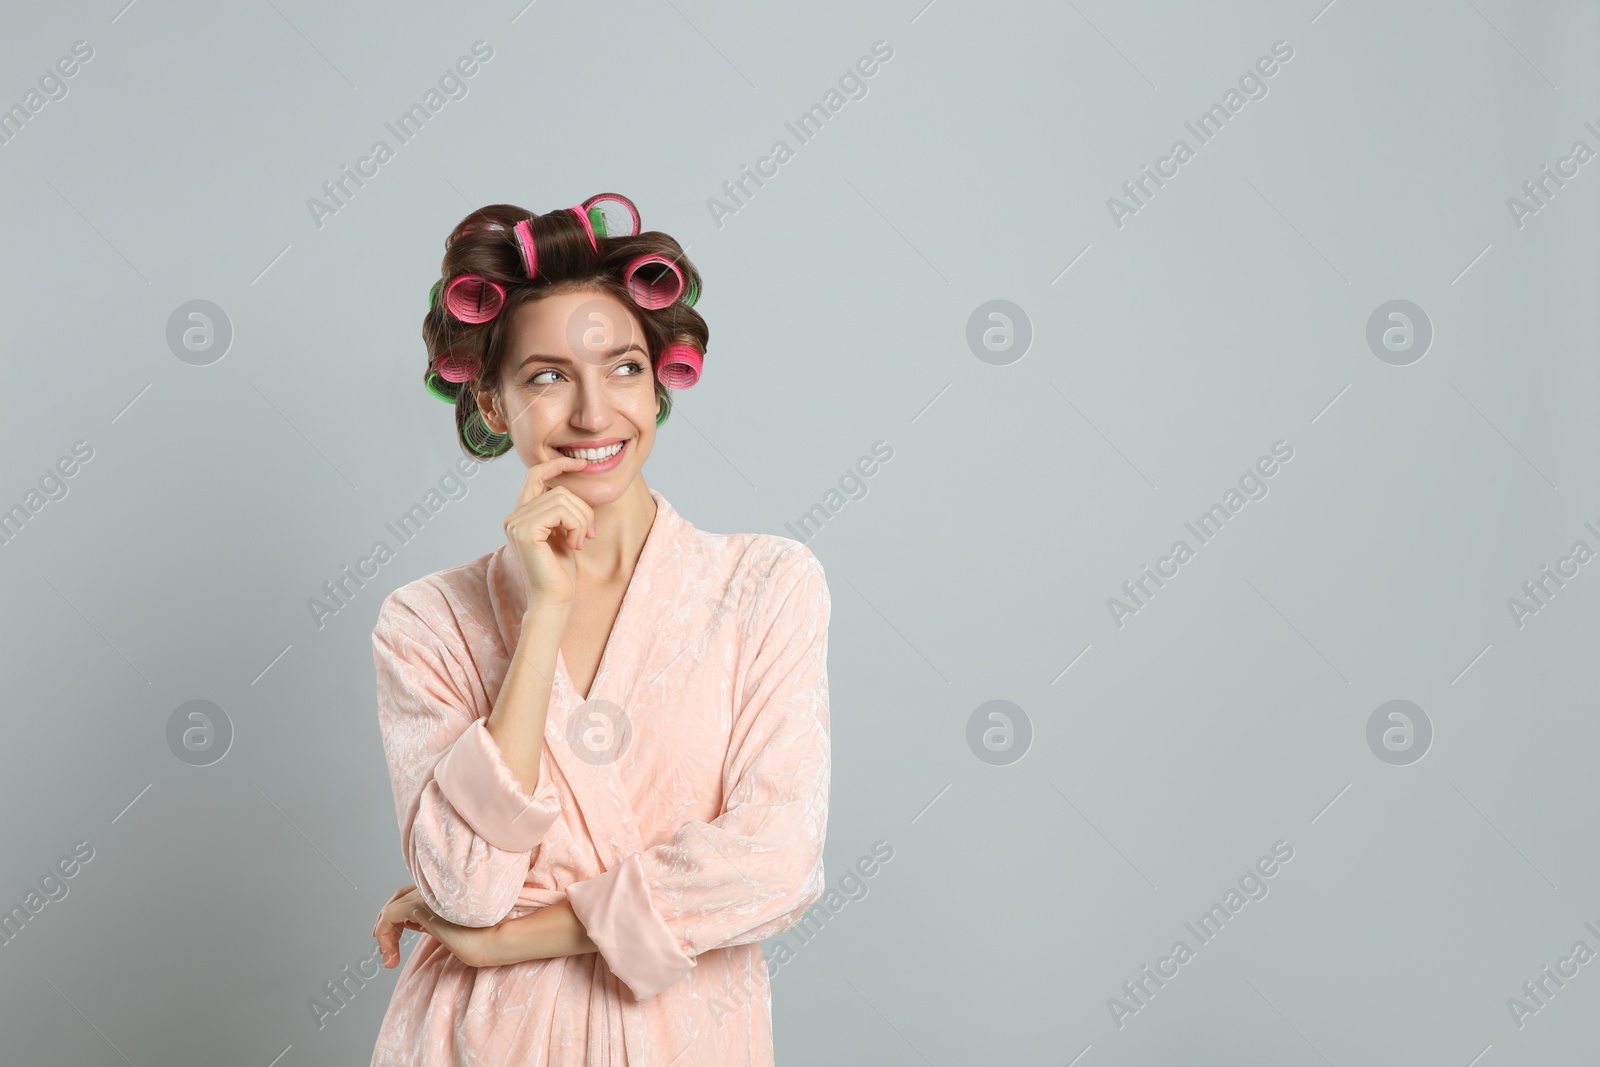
(592, 531)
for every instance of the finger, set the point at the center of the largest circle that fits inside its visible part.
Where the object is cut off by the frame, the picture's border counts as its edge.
(585, 511)
(386, 913)
(585, 516)
(539, 519)
(390, 924)
(389, 944)
(398, 893)
(397, 906)
(580, 511)
(556, 500)
(539, 475)
(553, 527)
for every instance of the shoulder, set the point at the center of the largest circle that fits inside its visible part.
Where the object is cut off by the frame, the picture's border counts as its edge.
(782, 558)
(435, 603)
(757, 560)
(739, 558)
(774, 575)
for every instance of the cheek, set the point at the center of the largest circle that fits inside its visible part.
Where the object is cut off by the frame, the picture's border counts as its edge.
(535, 409)
(643, 417)
(636, 397)
(534, 416)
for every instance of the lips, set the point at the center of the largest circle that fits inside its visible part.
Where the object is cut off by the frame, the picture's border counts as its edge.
(601, 465)
(595, 453)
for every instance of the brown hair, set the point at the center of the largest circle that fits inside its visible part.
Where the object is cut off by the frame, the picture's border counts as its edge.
(484, 244)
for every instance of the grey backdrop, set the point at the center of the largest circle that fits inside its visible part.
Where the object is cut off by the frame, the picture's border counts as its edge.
(1173, 345)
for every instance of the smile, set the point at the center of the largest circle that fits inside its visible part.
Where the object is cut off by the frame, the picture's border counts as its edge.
(600, 459)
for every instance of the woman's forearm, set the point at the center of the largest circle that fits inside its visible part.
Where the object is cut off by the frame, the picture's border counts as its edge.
(517, 721)
(541, 935)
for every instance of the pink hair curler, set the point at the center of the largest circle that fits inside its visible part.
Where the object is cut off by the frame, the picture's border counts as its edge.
(588, 227)
(612, 215)
(458, 368)
(480, 224)
(530, 254)
(653, 293)
(679, 366)
(473, 298)
(530, 249)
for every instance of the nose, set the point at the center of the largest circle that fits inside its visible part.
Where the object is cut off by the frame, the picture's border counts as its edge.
(593, 410)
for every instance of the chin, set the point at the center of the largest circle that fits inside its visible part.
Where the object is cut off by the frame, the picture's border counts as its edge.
(604, 488)
(592, 492)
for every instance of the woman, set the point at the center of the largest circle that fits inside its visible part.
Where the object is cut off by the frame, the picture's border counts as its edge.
(608, 739)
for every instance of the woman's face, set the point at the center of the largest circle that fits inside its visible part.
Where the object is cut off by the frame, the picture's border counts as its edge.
(577, 376)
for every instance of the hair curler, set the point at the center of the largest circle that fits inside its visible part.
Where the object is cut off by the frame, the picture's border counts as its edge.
(477, 224)
(612, 215)
(588, 226)
(525, 245)
(653, 281)
(473, 299)
(449, 392)
(458, 367)
(678, 366)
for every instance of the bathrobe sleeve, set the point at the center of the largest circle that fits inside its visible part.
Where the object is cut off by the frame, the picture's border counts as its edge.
(467, 828)
(751, 872)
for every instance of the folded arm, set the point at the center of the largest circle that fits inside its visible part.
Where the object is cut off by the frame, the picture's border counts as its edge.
(751, 872)
(468, 828)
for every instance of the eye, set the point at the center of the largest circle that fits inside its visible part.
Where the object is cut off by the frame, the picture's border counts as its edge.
(638, 368)
(534, 379)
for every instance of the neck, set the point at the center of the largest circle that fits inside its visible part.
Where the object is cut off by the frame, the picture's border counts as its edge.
(621, 528)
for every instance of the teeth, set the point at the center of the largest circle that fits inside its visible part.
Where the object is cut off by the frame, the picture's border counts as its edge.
(593, 455)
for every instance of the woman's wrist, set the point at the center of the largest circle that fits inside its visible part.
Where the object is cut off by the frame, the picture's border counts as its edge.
(544, 607)
(544, 934)
(543, 624)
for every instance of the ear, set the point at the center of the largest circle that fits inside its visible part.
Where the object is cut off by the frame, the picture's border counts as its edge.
(489, 409)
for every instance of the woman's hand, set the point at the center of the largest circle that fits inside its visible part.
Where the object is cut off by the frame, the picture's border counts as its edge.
(474, 946)
(549, 575)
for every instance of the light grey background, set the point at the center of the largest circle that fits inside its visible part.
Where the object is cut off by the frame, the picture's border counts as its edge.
(1167, 754)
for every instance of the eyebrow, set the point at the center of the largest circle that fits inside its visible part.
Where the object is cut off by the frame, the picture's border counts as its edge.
(565, 362)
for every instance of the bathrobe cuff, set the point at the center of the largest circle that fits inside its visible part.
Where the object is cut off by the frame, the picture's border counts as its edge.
(474, 778)
(617, 913)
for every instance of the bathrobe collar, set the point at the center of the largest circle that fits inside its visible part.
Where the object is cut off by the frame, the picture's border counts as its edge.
(640, 636)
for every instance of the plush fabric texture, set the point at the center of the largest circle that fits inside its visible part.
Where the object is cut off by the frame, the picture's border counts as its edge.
(703, 836)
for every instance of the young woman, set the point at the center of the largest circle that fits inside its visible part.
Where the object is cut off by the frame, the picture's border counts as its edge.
(608, 739)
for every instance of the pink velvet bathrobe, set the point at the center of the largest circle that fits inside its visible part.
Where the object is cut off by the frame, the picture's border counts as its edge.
(681, 809)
